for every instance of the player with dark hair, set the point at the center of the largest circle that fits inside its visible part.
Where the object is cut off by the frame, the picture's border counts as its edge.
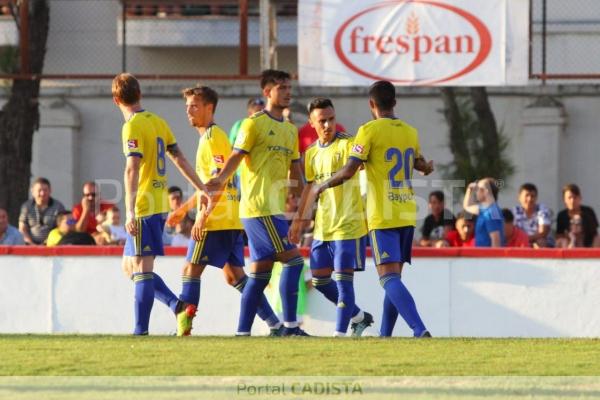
(268, 145)
(217, 240)
(389, 148)
(147, 141)
(340, 228)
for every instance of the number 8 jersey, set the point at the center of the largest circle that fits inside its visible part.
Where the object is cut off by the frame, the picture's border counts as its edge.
(148, 136)
(388, 148)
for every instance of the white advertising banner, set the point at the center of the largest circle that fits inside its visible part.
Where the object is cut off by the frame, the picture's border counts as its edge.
(413, 42)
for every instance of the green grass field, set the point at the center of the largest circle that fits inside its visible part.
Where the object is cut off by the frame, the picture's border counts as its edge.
(215, 367)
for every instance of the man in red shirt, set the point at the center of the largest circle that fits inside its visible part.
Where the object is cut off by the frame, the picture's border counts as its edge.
(515, 236)
(464, 235)
(87, 211)
(307, 135)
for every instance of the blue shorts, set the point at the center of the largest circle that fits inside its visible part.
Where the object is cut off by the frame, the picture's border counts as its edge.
(392, 245)
(218, 248)
(267, 236)
(339, 254)
(148, 241)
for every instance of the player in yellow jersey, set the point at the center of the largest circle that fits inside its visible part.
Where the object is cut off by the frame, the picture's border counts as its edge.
(340, 228)
(217, 240)
(389, 149)
(147, 141)
(268, 147)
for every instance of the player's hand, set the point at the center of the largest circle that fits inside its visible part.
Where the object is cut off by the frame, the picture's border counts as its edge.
(199, 226)
(295, 231)
(214, 184)
(472, 186)
(428, 168)
(131, 226)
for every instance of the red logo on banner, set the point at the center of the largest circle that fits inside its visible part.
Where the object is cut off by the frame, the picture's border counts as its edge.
(413, 42)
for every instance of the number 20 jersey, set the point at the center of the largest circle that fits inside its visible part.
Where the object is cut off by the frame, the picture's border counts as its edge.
(388, 148)
(148, 136)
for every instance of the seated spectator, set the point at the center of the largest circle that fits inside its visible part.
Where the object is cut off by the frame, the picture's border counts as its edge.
(463, 235)
(65, 223)
(183, 232)
(533, 217)
(38, 215)
(89, 209)
(175, 201)
(480, 199)
(112, 232)
(438, 222)
(9, 235)
(515, 236)
(585, 214)
(254, 105)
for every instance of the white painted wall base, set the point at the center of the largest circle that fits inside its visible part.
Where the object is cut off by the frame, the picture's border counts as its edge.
(480, 297)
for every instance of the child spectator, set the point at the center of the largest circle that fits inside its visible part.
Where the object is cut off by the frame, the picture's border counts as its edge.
(587, 216)
(463, 235)
(111, 230)
(65, 224)
(515, 236)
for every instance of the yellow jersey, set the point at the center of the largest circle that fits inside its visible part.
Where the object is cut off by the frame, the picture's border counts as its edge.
(148, 136)
(340, 213)
(388, 147)
(213, 150)
(270, 146)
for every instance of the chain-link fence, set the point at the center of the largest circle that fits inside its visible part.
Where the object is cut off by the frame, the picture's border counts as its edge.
(154, 38)
(564, 39)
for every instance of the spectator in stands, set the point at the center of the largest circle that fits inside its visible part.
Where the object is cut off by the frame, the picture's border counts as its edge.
(89, 209)
(438, 223)
(9, 235)
(183, 232)
(38, 215)
(515, 236)
(254, 105)
(533, 217)
(65, 223)
(480, 199)
(111, 230)
(463, 235)
(587, 216)
(175, 201)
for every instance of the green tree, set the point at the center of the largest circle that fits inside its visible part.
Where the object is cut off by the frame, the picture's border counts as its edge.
(478, 147)
(19, 117)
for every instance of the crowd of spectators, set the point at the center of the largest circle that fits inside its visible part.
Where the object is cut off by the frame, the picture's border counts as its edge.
(528, 223)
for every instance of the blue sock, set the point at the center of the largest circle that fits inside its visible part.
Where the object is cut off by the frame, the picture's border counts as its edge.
(255, 285)
(345, 304)
(163, 294)
(144, 299)
(288, 289)
(403, 301)
(190, 290)
(264, 310)
(329, 289)
(389, 317)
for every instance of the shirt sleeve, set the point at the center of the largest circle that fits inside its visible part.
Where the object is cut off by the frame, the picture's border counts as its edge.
(562, 222)
(246, 137)
(362, 145)
(133, 145)
(544, 216)
(220, 150)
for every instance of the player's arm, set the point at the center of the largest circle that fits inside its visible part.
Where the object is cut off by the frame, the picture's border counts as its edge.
(177, 215)
(232, 164)
(184, 167)
(302, 217)
(345, 173)
(296, 178)
(132, 172)
(469, 203)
